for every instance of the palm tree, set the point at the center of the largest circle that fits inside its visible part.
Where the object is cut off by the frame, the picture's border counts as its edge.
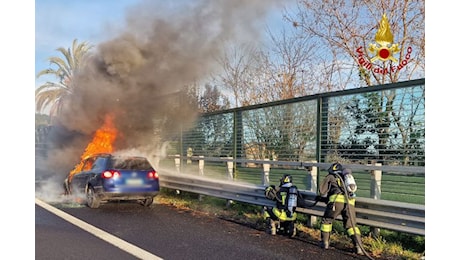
(54, 94)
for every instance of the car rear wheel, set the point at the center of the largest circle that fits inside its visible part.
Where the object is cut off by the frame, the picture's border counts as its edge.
(91, 198)
(147, 202)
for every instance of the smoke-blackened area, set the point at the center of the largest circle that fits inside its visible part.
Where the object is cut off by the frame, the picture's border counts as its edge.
(139, 75)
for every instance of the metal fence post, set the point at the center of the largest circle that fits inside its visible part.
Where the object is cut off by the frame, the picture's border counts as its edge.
(376, 192)
(266, 176)
(312, 183)
(201, 165)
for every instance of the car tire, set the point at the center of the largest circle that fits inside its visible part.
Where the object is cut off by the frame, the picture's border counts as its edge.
(147, 202)
(91, 198)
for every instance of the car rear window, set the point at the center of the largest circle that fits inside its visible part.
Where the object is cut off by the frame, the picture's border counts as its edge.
(130, 163)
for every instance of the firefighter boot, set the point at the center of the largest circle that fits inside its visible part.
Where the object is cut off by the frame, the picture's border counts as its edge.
(357, 244)
(267, 225)
(325, 239)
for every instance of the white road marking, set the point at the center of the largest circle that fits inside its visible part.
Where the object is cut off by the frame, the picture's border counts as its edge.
(130, 248)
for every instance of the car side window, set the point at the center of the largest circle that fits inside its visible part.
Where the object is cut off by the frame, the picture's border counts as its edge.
(99, 164)
(88, 164)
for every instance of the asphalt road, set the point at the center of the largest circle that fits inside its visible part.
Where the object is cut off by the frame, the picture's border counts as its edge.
(164, 232)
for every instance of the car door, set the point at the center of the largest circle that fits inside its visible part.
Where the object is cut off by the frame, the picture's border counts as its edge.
(97, 168)
(82, 177)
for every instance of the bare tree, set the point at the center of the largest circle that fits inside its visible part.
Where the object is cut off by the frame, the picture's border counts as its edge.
(286, 64)
(280, 70)
(353, 32)
(367, 42)
(212, 100)
(237, 63)
(283, 71)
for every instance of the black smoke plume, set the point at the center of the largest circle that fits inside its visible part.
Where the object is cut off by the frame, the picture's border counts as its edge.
(140, 73)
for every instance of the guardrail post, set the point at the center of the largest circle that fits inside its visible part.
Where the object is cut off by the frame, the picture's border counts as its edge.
(189, 155)
(376, 183)
(312, 177)
(201, 173)
(312, 182)
(201, 165)
(177, 162)
(230, 168)
(230, 177)
(266, 176)
(376, 192)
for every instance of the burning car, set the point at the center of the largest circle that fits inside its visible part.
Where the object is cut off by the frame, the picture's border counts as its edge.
(106, 177)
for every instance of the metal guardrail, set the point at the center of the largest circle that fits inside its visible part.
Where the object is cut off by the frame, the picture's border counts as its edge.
(419, 170)
(391, 215)
(396, 216)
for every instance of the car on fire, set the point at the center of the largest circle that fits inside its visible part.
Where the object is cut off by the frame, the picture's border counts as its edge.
(102, 178)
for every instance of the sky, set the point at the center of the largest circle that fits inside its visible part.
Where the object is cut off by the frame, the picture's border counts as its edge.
(36, 29)
(142, 50)
(58, 23)
(32, 31)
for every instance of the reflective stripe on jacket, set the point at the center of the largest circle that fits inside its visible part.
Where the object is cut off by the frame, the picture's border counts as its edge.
(341, 198)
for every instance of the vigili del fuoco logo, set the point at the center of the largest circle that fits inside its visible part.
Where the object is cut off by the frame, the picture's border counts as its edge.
(383, 50)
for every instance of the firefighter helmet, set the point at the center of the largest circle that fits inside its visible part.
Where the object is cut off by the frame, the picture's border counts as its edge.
(335, 168)
(285, 179)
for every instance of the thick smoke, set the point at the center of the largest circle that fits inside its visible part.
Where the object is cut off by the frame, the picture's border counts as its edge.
(137, 75)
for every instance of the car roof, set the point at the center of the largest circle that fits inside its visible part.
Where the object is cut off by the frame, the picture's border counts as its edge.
(98, 155)
(128, 157)
(115, 156)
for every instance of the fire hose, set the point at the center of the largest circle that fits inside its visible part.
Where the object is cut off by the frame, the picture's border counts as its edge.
(352, 218)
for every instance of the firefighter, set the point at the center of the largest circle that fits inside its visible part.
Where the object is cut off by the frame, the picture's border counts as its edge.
(337, 190)
(287, 197)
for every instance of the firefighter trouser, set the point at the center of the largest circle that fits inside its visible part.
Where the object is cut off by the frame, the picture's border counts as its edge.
(337, 205)
(277, 214)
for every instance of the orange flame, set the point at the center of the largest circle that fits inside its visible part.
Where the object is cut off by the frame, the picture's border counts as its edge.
(102, 142)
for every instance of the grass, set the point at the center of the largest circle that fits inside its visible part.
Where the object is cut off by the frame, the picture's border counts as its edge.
(389, 244)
